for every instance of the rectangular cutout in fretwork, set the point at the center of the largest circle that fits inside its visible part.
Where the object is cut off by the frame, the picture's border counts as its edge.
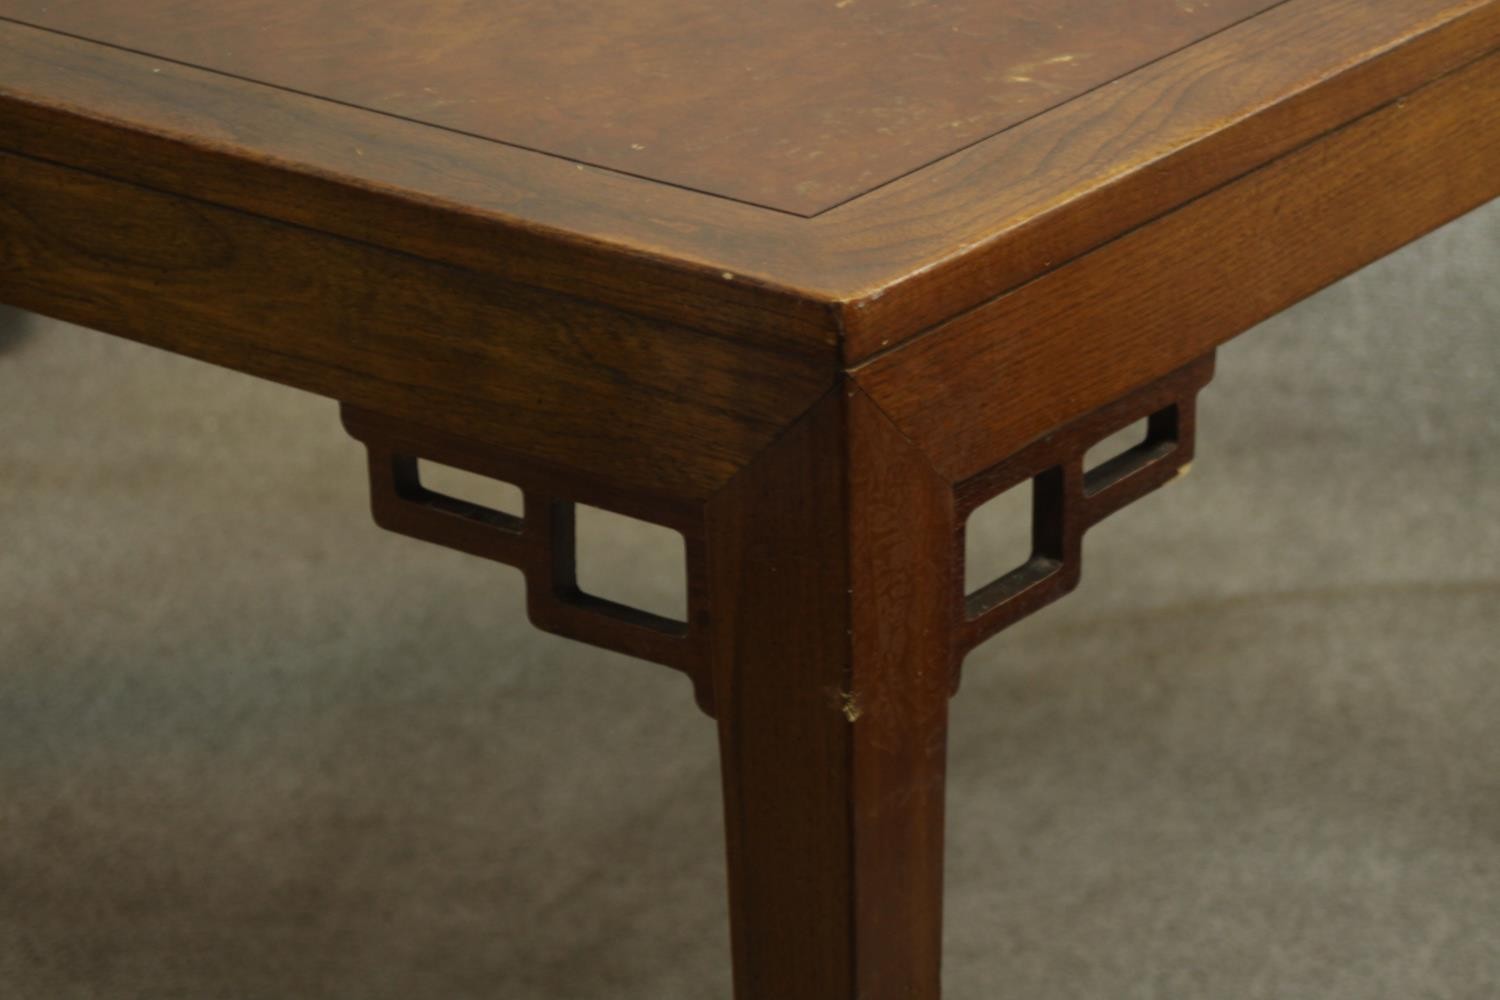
(1149, 434)
(1013, 542)
(643, 586)
(631, 563)
(409, 482)
(1132, 449)
(471, 489)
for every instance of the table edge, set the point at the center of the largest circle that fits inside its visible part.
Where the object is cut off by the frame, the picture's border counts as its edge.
(823, 286)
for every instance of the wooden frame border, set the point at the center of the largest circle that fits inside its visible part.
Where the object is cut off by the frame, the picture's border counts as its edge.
(852, 281)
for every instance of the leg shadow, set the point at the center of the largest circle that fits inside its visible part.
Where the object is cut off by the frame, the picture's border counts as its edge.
(16, 325)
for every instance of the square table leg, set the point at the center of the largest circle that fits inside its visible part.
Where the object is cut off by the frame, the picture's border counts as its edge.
(830, 558)
(827, 622)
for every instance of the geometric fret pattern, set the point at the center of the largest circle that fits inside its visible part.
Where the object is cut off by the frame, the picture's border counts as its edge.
(541, 543)
(1067, 500)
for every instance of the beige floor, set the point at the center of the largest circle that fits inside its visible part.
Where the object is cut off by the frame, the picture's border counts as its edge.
(251, 747)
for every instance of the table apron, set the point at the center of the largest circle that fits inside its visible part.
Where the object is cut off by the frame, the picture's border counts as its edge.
(983, 385)
(638, 404)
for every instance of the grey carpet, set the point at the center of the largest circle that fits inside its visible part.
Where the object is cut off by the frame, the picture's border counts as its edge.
(253, 748)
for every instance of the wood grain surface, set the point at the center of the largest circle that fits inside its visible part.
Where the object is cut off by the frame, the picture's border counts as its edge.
(1028, 201)
(831, 562)
(642, 405)
(813, 294)
(981, 386)
(791, 105)
(854, 280)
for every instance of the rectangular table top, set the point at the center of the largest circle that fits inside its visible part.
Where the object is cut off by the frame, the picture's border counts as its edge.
(844, 173)
(792, 105)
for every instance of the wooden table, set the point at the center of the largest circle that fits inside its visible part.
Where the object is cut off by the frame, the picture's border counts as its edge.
(805, 282)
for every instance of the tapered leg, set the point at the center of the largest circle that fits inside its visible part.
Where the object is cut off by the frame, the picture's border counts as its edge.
(831, 559)
(827, 621)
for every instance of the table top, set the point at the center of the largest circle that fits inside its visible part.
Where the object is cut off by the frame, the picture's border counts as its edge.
(844, 173)
(790, 105)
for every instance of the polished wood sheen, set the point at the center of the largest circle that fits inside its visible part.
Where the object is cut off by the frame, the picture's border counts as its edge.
(792, 105)
(375, 328)
(1216, 267)
(804, 282)
(855, 280)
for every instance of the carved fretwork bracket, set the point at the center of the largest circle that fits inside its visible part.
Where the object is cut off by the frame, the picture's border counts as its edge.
(1067, 501)
(541, 543)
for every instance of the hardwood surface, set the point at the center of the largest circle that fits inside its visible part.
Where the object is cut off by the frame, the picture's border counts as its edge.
(1070, 496)
(541, 540)
(855, 280)
(641, 404)
(990, 219)
(815, 390)
(982, 385)
(790, 105)
(832, 675)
